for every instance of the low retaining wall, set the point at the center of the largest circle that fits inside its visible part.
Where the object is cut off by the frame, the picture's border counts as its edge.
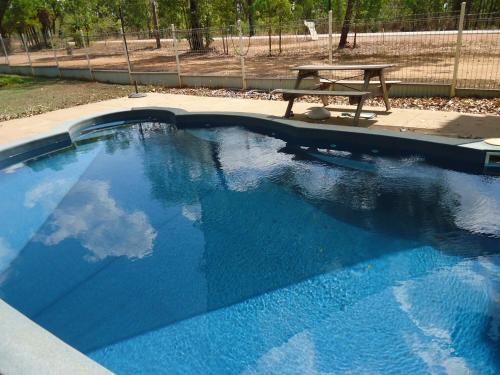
(170, 79)
(47, 71)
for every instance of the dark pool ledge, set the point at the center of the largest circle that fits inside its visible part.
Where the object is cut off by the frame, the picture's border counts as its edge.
(473, 156)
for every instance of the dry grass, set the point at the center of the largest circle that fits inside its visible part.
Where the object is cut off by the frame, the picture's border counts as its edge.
(29, 96)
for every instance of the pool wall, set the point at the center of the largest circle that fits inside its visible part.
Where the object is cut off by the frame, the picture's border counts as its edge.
(464, 155)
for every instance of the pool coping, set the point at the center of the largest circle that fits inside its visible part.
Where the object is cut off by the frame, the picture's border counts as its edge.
(27, 348)
(473, 156)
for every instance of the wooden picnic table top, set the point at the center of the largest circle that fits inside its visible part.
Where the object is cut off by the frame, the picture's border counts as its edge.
(320, 92)
(342, 67)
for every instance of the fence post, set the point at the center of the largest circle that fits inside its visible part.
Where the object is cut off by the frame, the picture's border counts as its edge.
(242, 58)
(86, 55)
(28, 54)
(4, 50)
(55, 52)
(330, 37)
(177, 63)
(125, 49)
(458, 50)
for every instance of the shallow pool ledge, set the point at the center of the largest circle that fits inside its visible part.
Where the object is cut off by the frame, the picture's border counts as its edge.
(27, 348)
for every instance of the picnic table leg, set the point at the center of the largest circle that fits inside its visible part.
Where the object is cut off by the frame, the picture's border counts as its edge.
(300, 75)
(385, 92)
(288, 112)
(317, 80)
(358, 111)
(366, 82)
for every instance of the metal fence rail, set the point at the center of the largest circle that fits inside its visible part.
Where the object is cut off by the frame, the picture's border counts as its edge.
(426, 50)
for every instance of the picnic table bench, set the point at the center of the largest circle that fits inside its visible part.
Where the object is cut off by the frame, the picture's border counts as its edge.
(322, 84)
(326, 83)
(292, 94)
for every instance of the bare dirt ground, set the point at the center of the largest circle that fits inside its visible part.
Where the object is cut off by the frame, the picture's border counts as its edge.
(419, 57)
(26, 96)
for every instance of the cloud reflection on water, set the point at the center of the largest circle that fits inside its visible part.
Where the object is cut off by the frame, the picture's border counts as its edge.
(91, 215)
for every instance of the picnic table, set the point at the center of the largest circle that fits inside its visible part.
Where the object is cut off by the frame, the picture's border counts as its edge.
(368, 72)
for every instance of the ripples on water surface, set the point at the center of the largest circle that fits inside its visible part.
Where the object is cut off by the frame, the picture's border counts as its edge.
(217, 251)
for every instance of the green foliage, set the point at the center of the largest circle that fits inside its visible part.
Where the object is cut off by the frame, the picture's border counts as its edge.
(97, 16)
(273, 11)
(20, 15)
(12, 80)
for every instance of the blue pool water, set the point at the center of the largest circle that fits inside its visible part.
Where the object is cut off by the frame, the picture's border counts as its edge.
(219, 250)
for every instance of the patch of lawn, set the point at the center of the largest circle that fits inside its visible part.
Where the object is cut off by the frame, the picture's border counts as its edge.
(12, 80)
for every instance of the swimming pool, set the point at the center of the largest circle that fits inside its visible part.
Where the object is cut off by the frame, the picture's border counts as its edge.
(220, 250)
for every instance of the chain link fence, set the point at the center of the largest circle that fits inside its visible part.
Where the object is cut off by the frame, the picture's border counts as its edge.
(423, 48)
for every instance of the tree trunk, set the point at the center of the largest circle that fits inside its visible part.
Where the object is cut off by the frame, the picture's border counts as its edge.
(208, 36)
(223, 37)
(347, 23)
(4, 5)
(195, 37)
(34, 35)
(269, 31)
(354, 44)
(478, 15)
(45, 37)
(251, 22)
(493, 7)
(155, 23)
(279, 32)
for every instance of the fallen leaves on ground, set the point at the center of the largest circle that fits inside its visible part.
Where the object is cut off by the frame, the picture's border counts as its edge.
(464, 105)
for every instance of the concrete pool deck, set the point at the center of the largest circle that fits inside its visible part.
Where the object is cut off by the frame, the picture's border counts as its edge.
(453, 124)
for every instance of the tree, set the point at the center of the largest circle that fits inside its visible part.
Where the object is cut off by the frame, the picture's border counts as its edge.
(195, 35)
(154, 15)
(347, 23)
(274, 12)
(34, 18)
(172, 12)
(21, 17)
(4, 5)
(251, 23)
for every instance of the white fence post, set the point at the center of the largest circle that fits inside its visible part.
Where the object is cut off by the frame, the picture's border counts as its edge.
(458, 50)
(177, 62)
(330, 37)
(87, 55)
(125, 49)
(27, 54)
(242, 58)
(55, 52)
(4, 50)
